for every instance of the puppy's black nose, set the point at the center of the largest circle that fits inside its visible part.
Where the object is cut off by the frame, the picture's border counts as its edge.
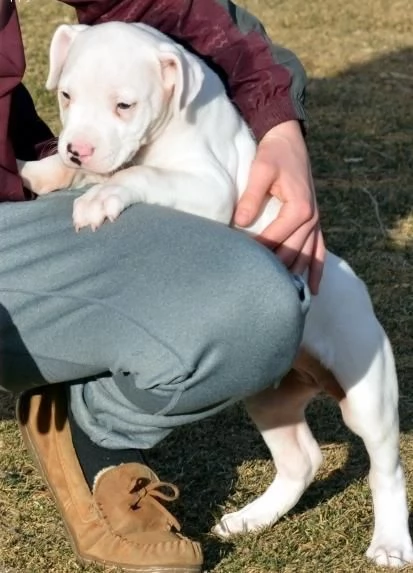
(72, 151)
(74, 155)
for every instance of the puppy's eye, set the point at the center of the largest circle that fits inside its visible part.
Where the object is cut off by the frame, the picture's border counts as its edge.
(122, 105)
(66, 95)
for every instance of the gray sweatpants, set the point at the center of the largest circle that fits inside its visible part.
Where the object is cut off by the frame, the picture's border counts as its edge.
(160, 319)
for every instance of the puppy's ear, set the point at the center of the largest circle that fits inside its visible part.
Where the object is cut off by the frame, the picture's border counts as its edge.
(59, 48)
(182, 74)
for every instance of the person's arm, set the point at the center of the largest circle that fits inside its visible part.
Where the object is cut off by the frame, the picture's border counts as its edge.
(12, 66)
(265, 82)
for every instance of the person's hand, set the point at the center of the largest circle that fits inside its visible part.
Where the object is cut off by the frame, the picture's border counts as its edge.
(282, 168)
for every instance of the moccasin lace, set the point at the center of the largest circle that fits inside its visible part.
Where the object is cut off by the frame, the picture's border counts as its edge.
(143, 487)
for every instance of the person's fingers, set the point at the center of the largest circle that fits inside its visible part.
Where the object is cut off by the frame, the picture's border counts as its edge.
(303, 259)
(261, 178)
(294, 218)
(291, 249)
(316, 267)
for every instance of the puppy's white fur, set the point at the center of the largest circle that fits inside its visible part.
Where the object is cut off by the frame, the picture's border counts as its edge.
(146, 121)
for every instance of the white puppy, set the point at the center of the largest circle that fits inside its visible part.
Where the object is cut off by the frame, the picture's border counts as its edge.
(144, 120)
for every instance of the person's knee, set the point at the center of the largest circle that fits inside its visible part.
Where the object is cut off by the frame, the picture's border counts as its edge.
(270, 306)
(251, 335)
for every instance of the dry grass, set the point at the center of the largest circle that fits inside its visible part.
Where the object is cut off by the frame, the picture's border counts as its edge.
(359, 56)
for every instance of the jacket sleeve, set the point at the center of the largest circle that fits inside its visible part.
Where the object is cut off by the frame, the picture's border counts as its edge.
(21, 129)
(266, 82)
(12, 66)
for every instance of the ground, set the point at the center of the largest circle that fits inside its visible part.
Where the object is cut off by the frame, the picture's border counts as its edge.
(359, 58)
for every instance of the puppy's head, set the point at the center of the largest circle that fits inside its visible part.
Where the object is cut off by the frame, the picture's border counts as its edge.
(118, 86)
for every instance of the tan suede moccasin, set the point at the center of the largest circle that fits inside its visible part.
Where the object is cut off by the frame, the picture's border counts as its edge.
(121, 523)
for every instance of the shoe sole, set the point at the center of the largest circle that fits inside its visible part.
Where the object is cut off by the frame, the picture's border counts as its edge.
(84, 559)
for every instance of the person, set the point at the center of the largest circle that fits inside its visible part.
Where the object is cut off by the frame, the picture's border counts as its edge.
(115, 338)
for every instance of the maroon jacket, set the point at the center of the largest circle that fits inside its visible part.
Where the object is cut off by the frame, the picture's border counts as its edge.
(265, 82)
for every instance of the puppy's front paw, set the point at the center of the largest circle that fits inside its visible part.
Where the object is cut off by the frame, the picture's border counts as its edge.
(45, 175)
(33, 175)
(100, 203)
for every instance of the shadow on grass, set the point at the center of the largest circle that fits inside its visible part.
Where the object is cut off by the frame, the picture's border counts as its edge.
(361, 128)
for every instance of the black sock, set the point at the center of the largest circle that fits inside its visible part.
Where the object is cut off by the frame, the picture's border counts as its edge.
(93, 458)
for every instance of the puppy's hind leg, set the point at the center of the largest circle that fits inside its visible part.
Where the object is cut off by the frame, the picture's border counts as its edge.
(279, 415)
(343, 331)
(370, 410)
